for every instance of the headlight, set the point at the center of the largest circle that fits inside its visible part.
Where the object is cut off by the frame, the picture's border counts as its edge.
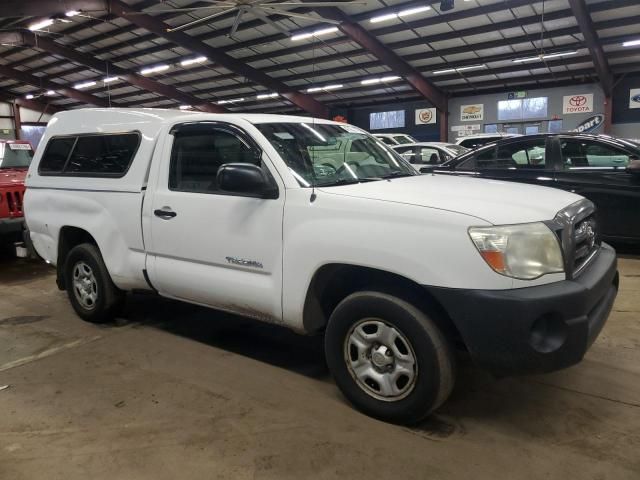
(524, 251)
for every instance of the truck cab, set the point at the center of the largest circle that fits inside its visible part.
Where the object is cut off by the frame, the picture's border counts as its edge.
(15, 158)
(244, 213)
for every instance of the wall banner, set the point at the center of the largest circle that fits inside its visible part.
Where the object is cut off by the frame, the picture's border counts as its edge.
(634, 98)
(426, 116)
(471, 113)
(582, 103)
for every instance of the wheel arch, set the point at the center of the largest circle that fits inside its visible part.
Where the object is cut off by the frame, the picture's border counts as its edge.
(69, 237)
(333, 282)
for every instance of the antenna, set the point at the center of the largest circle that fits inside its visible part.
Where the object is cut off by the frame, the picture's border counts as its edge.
(313, 125)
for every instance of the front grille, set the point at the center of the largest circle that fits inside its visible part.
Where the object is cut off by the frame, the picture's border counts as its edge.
(14, 202)
(577, 230)
(586, 242)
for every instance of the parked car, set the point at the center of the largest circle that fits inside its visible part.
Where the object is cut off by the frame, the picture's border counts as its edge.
(429, 153)
(395, 138)
(603, 169)
(15, 157)
(480, 139)
(228, 211)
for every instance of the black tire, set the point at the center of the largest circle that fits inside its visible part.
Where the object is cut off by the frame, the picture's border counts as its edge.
(109, 298)
(434, 359)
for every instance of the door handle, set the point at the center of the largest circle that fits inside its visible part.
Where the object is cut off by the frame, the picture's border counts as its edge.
(165, 213)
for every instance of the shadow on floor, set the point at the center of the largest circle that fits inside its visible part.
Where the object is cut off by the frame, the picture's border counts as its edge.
(476, 394)
(261, 341)
(14, 271)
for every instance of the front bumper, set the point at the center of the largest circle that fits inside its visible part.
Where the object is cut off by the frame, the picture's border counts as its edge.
(535, 329)
(11, 225)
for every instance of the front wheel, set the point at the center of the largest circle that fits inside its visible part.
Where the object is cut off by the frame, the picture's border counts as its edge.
(388, 358)
(91, 291)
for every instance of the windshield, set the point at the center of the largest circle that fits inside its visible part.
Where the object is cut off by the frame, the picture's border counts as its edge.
(15, 155)
(324, 154)
(403, 139)
(456, 150)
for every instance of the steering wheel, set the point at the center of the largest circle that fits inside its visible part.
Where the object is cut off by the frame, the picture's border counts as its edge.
(324, 170)
(341, 169)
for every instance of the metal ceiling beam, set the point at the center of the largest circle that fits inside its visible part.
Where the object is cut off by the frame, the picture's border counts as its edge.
(386, 56)
(46, 8)
(30, 104)
(48, 45)
(304, 101)
(78, 27)
(301, 48)
(42, 83)
(583, 17)
(249, 25)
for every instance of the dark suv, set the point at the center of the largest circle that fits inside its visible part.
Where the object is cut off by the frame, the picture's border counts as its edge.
(604, 169)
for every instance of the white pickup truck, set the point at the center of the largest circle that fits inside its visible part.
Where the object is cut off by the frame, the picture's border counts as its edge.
(236, 212)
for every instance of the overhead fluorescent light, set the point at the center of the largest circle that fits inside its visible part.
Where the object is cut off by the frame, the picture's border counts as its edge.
(631, 43)
(156, 69)
(191, 61)
(79, 86)
(401, 13)
(544, 57)
(413, 11)
(459, 69)
(373, 81)
(28, 96)
(262, 96)
(315, 33)
(327, 87)
(72, 13)
(110, 79)
(184, 107)
(41, 24)
(382, 18)
(222, 102)
(50, 92)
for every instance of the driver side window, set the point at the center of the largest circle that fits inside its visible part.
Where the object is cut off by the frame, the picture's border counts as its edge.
(429, 156)
(197, 155)
(577, 153)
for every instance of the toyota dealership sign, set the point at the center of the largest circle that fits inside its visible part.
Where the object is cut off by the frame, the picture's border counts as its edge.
(582, 103)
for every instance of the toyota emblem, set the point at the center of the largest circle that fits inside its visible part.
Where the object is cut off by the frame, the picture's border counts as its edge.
(578, 100)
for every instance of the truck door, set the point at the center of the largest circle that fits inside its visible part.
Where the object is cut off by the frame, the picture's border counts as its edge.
(208, 246)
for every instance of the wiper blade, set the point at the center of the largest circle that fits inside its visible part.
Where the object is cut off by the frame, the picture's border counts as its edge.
(398, 175)
(349, 181)
(343, 181)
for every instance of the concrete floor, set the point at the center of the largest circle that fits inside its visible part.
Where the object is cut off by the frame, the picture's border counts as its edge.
(179, 392)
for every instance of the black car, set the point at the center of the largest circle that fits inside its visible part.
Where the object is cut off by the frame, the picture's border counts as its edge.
(604, 169)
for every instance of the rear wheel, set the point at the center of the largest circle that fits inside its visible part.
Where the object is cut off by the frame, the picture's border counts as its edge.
(91, 292)
(388, 358)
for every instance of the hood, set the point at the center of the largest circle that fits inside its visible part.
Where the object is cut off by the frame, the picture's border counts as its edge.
(11, 177)
(494, 201)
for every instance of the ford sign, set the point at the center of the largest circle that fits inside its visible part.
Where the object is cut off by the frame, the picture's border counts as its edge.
(591, 124)
(636, 98)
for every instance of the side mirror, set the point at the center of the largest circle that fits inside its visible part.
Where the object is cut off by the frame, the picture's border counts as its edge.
(428, 168)
(245, 179)
(633, 167)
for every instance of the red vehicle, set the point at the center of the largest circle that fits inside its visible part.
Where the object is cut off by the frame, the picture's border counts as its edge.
(15, 157)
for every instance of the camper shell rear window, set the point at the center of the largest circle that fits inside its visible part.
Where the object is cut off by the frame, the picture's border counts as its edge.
(90, 155)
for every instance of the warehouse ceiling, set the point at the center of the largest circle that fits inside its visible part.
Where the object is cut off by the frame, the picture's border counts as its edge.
(154, 53)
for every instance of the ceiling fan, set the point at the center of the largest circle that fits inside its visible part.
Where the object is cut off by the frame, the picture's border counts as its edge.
(259, 8)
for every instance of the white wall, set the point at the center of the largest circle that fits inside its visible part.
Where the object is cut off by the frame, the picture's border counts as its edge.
(27, 116)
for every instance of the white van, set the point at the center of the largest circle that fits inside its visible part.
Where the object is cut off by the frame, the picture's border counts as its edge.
(236, 212)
